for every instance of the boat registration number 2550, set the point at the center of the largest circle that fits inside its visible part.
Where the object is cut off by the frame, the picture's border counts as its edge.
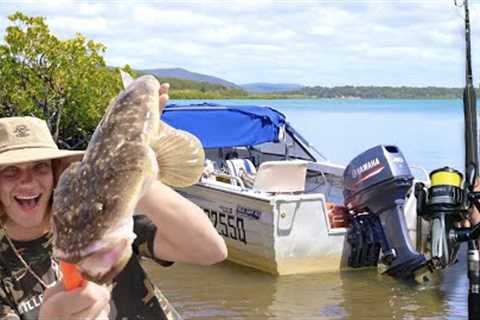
(227, 224)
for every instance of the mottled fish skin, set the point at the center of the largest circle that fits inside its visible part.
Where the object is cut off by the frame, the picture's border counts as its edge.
(104, 187)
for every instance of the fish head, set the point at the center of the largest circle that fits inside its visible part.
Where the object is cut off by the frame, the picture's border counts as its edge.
(93, 225)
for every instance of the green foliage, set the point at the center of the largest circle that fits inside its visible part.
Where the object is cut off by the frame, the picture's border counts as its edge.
(370, 92)
(198, 94)
(65, 82)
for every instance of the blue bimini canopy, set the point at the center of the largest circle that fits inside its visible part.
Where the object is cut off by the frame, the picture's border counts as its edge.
(219, 126)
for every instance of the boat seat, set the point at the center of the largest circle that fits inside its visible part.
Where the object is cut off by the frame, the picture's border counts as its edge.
(243, 169)
(236, 166)
(281, 176)
(210, 169)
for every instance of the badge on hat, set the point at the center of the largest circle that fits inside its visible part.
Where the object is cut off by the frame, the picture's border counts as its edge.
(22, 131)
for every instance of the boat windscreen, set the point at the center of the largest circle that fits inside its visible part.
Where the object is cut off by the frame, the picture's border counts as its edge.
(292, 146)
(306, 146)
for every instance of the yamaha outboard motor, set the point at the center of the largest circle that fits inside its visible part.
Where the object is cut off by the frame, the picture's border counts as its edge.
(376, 186)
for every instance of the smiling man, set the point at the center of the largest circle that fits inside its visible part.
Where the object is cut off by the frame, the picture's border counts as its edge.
(26, 204)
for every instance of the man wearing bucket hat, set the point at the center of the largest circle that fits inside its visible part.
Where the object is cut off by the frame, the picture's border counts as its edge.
(30, 164)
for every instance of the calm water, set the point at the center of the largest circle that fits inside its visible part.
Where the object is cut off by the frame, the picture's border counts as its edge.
(430, 134)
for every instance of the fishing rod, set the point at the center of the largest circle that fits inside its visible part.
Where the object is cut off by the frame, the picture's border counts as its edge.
(449, 199)
(469, 108)
(471, 172)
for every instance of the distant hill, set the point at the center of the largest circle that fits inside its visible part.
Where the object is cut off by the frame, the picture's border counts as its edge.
(262, 87)
(180, 73)
(192, 85)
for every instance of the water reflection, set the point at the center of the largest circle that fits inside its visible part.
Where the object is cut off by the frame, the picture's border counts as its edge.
(228, 291)
(455, 287)
(371, 295)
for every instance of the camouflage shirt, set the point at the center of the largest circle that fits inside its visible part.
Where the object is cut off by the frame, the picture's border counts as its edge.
(134, 296)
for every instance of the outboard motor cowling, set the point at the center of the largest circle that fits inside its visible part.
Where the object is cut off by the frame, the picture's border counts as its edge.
(376, 184)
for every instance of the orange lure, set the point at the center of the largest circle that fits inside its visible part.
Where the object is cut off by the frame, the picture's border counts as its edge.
(72, 278)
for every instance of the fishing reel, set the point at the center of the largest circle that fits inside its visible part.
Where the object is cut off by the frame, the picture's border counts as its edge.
(445, 205)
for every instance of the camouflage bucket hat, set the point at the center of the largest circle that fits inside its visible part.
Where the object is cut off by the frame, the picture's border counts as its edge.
(25, 139)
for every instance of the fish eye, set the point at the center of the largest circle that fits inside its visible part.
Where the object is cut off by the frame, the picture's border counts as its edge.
(98, 206)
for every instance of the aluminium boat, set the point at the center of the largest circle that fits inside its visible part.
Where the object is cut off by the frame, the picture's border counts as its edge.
(280, 205)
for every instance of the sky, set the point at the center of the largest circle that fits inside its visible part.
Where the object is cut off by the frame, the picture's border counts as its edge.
(324, 43)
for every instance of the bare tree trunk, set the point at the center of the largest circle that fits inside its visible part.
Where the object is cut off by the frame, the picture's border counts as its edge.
(58, 116)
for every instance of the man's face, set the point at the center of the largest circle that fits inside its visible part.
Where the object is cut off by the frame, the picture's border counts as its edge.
(25, 191)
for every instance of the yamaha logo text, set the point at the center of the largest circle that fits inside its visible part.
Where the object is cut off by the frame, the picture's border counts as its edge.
(364, 167)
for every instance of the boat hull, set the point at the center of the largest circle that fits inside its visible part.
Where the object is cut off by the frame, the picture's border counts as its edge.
(278, 234)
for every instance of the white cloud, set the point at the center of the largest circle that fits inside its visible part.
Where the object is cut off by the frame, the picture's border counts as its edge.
(71, 25)
(156, 17)
(306, 41)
